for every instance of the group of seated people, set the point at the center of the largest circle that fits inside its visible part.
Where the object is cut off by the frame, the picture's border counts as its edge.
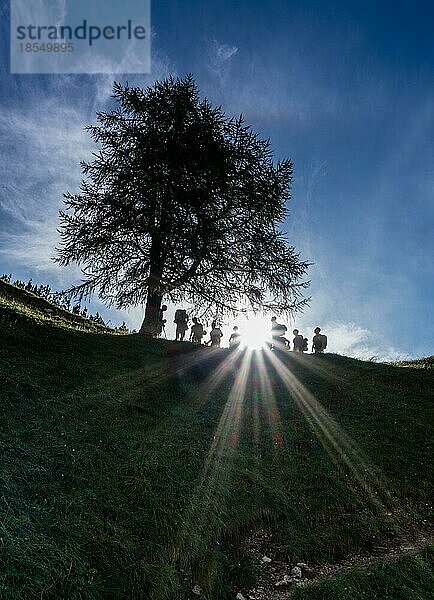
(277, 338)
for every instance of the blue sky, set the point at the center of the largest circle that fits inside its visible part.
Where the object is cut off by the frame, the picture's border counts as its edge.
(345, 89)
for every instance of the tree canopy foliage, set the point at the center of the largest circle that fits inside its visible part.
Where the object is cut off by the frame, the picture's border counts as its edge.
(181, 203)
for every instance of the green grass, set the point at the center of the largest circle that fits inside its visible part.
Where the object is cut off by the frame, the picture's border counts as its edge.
(125, 473)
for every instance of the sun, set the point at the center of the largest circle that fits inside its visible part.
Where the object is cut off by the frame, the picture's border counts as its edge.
(255, 332)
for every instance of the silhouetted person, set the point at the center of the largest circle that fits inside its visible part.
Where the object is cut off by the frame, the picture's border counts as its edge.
(298, 341)
(161, 321)
(197, 332)
(215, 335)
(319, 341)
(235, 338)
(278, 334)
(181, 319)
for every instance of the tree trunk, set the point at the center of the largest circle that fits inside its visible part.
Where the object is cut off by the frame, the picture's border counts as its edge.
(151, 325)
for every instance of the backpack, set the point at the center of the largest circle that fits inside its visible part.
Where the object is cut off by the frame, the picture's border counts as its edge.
(280, 327)
(197, 330)
(234, 340)
(304, 346)
(216, 333)
(180, 316)
(320, 342)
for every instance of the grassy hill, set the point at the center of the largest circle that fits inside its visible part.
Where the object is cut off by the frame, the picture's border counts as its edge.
(41, 311)
(135, 468)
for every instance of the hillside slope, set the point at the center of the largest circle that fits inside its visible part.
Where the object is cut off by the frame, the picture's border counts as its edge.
(134, 468)
(41, 310)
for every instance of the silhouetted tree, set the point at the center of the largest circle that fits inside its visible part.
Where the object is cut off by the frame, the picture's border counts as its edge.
(184, 203)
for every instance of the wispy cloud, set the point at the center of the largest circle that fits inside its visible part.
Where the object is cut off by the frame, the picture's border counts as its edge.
(220, 56)
(39, 160)
(352, 340)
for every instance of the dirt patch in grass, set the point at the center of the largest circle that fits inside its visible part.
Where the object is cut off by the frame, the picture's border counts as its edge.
(278, 580)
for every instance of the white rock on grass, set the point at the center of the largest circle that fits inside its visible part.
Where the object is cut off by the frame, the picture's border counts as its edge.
(287, 580)
(197, 590)
(265, 559)
(296, 572)
(240, 596)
